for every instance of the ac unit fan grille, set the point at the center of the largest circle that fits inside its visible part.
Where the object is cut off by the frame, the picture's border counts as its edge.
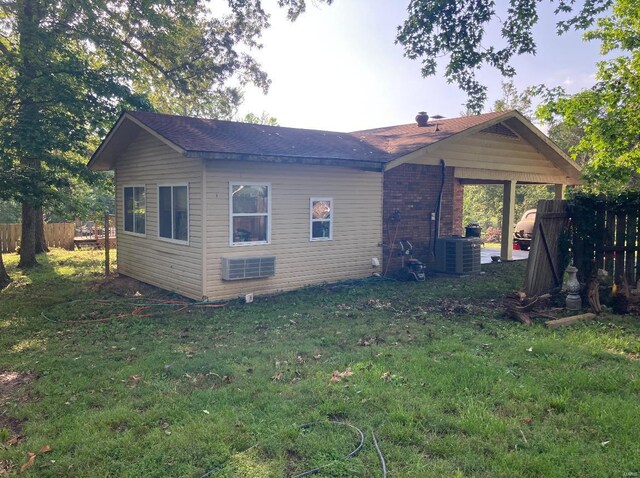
(458, 255)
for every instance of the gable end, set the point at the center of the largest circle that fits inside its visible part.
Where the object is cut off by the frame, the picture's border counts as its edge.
(501, 130)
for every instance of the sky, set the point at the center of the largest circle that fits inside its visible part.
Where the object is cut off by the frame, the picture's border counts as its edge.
(337, 68)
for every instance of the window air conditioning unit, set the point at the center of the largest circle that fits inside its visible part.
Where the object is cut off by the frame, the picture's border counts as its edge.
(238, 268)
(458, 255)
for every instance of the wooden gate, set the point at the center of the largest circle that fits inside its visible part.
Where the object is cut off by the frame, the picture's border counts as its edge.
(545, 268)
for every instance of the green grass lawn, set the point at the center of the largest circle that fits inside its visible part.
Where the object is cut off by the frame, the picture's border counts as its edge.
(447, 385)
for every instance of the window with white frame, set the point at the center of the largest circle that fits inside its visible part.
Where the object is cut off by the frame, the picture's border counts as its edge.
(135, 209)
(321, 218)
(250, 213)
(173, 212)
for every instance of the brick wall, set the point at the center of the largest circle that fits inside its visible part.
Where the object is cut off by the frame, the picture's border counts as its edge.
(412, 190)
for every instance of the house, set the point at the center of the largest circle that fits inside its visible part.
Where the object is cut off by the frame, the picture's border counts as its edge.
(220, 209)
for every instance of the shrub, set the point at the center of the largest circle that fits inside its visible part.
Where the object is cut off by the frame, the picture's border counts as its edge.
(492, 234)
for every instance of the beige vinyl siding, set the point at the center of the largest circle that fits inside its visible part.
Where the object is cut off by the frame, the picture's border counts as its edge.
(172, 266)
(357, 215)
(499, 157)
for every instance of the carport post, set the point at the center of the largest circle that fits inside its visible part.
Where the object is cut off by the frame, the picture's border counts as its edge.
(559, 191)
(508, 213)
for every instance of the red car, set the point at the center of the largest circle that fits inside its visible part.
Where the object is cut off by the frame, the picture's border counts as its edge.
(523, 232)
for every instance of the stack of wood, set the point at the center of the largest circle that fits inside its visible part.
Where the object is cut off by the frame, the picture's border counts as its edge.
(523, 309)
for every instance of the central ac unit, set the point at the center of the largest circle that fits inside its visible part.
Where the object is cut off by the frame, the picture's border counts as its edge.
(458, 255)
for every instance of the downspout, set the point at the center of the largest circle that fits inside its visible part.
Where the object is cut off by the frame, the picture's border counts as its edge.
(436, 232)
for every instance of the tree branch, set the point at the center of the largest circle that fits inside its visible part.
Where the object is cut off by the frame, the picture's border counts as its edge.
(145, 58)
(3, 49)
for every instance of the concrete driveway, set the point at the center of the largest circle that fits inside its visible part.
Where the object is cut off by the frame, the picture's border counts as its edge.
(486, 253)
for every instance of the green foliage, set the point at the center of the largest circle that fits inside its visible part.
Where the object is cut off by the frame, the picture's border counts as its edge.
(528, 195)
(264, 118)
(568, 137)
(512, 99)
(68, 68)
(483, 203)
(607, 115)
(296, 7)
(9, 212)
(448, 386)
(84, 200)
(456, 29)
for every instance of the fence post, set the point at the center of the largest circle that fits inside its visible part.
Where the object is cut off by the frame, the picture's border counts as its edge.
(106, 244)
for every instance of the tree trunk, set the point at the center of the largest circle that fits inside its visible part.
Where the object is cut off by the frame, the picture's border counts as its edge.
(5, 280)
(41, 240)
(28, 125)
(28, 239)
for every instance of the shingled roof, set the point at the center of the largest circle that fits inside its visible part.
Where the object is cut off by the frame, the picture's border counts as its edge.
(400, 140)
(197, 135)
(209, 138)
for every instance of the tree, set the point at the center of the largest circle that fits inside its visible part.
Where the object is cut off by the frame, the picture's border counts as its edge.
(456, 29)
(512, 99)
(9, 212)
(5, 280)
(607, 116)
(482, 203)
(567, 137)
(67, 68)
(264, 118)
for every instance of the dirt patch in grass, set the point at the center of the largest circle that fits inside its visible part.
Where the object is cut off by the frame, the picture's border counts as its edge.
(12, 385)
(13, 388)
(124, 286)
(14, 426)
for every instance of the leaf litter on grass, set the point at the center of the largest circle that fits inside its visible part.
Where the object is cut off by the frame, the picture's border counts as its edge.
(447, 353)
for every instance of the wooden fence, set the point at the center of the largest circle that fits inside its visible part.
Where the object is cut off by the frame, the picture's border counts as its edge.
(606, 237)
(598, 233)
(545, 267)
(56, 235)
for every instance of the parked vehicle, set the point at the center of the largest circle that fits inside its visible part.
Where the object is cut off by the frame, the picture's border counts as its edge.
(523, 232)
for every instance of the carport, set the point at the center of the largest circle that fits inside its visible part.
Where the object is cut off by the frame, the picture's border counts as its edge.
(431, 162)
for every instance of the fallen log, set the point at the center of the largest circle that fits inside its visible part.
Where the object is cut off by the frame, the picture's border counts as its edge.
(531, 302)
(519, 307)
(519, 316)
(552, 324)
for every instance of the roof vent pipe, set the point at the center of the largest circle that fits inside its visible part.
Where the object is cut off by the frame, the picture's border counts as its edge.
(422, 118)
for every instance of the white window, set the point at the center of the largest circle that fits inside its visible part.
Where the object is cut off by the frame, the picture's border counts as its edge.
(321, 219)
(249, 213)
(173, 212)
(135, 209)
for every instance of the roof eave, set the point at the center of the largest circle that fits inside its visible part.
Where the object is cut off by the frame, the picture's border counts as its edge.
(102, 161)
(94, 161)
(365, 165)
